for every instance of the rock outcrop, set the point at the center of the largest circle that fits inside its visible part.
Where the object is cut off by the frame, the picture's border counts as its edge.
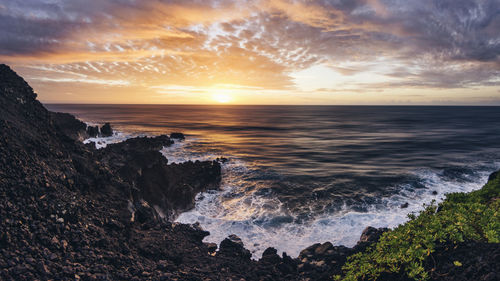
(69, 211)
(106, 130)
(69, 125)
(179, 136)
(169, 188)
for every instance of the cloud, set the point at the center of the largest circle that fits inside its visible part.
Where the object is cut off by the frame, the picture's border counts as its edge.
(254, 43)
(83, 80)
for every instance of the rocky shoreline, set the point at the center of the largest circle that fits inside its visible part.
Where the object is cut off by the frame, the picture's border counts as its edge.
(71, 212)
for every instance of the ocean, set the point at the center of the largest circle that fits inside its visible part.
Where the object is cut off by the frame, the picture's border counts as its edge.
(299, 175)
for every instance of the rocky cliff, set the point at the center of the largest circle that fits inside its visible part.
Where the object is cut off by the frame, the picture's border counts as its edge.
(69, 211)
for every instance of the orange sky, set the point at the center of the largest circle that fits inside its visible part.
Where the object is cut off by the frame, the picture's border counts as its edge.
(255, 52)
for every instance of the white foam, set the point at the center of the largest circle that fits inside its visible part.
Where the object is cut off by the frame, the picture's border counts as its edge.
(102, 142)
(255, 219)
(262, 221)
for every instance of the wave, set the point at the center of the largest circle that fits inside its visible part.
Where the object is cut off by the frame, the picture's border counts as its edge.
(245, 206)
(262, 221)
(102, 142)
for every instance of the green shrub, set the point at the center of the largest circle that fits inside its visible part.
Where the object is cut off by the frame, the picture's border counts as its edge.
(461, 217)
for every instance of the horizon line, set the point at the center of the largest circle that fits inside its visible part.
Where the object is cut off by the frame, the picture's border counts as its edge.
(227, 104)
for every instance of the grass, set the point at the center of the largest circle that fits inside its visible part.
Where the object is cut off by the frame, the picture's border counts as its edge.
(460, 217)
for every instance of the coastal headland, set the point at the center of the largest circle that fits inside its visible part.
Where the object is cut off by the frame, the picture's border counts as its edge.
(71, 212)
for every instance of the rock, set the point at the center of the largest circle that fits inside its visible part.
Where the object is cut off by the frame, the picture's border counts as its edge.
(479, 261)
(106, 130)
(235, 239)
(493, 175)
(55, 241)
(369, 236)
(322, 249)
(434, 192)
(232, 246)
(309, 251)
(92, 131)
(222, 160)
(172, 188)
(372, 234)
(318, 263)
(64, 244)
(405, 205)
(212, 247)
(179, 136)
(144, 214)
(270, 256)
(69, 125)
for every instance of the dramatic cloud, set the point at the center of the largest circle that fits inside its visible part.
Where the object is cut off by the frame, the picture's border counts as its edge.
(279, 46)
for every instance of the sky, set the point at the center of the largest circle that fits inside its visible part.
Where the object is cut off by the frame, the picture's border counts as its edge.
(394, 52)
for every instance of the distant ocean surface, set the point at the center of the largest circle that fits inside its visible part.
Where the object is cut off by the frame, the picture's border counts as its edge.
(300, 175)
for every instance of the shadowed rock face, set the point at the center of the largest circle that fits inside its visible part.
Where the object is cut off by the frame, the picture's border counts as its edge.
(92, 131)
(106, 130)
(173, 187)
(69, 125)
(77, 203)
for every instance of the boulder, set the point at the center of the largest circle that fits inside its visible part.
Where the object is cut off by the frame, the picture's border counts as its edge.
(144, 214)
(233, 247)
(179, 136)
(92, 131)
(270, 255)
(493, 175)
(372, 234)
(212, 247)
(369, 236)
(323, 248)
(106, 130)
(309, 251)
(222, 160)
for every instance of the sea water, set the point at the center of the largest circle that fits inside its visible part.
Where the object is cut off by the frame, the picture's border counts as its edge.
(299, 175)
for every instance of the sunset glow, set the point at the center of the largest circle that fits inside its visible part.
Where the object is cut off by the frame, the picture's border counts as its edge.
(221, 98)
(269, 51)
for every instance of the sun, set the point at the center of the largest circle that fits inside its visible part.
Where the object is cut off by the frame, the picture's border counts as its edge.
(221, 98)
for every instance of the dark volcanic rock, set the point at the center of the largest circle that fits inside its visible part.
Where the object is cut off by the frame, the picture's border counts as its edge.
(222, 160)
(69, 125)
(476, 261)
(493, 175)
(66, 209)
(369, 236)
(92, 131)
(179, 136)
(106, 130)
(233, 247)
(173, 187)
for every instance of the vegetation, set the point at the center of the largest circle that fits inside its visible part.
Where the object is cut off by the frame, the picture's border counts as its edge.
(461, 217)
